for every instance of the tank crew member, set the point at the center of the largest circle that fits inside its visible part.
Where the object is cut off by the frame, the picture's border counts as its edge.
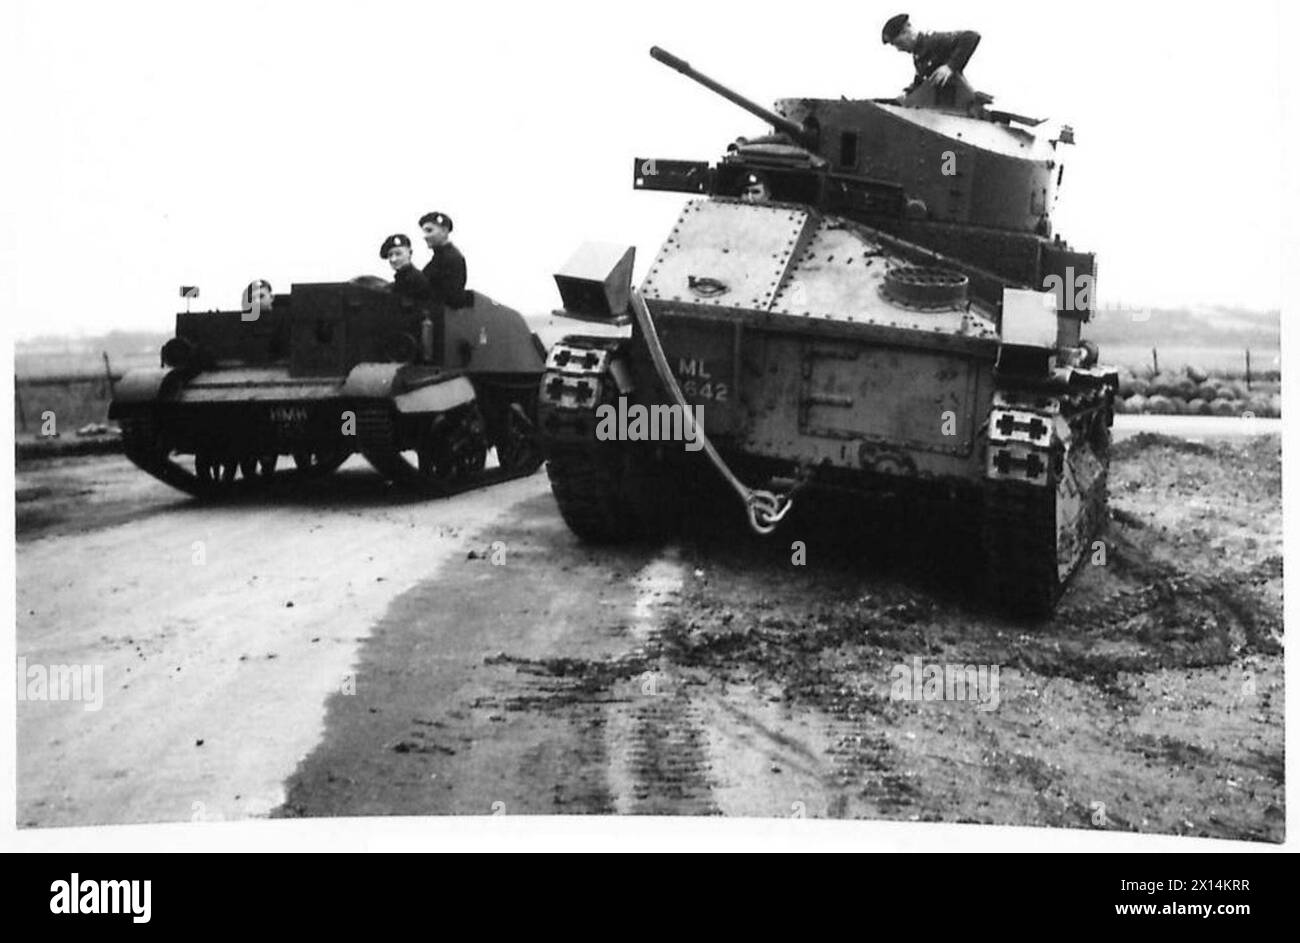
(445, 272)
(407, 279)
(755, 189)
(258, 296)
(259, 299)
(937, 56)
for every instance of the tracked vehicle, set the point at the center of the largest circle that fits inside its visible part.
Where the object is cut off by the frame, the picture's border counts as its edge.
(889, 313)
(333, 369)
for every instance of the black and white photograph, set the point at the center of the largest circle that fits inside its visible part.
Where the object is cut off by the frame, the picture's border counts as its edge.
(541, 420)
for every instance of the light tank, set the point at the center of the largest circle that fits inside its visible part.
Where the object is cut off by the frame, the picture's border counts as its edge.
(332, 369)
(868, 299)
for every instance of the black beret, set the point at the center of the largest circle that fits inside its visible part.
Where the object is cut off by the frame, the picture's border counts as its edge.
(438, 219)
(893, 26)
(391, 242)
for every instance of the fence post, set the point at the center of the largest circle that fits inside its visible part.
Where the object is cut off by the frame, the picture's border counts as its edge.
(108, 374)
(1247, 368)
(1155, 363)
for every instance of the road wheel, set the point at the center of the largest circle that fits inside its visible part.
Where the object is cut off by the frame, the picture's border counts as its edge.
(317, 463)
(258, 469)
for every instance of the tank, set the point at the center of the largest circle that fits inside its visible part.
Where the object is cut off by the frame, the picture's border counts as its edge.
(867, 299)
(290, 389)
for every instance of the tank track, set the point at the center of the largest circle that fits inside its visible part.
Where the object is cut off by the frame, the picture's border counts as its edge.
(216, 475)
(140, 441)
(607, 492)
(450, 463)
(1044, 495)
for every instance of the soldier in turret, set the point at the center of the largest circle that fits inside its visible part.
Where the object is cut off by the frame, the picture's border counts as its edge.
(938, 57)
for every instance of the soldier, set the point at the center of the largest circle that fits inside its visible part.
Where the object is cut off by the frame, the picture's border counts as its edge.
(938, 57)
(258, 296)
(445, 272)
(755, 189)
(407, 279)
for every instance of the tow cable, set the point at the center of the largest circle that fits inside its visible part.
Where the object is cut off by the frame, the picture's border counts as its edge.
(765, 509)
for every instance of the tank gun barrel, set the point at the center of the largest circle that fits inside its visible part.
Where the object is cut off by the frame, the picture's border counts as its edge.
(781, 123)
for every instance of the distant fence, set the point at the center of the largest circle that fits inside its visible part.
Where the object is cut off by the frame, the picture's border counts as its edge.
(71, 400)
(1250, 373)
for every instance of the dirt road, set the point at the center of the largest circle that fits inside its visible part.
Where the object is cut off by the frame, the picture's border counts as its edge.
(469, 656)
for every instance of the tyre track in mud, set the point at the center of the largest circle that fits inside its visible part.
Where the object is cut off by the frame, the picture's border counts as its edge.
(532, 686)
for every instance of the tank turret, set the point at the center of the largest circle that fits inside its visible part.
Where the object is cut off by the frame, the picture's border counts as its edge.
(936, 166)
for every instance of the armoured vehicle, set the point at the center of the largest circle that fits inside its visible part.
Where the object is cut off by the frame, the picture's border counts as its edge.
(331, 369)
(869, 298)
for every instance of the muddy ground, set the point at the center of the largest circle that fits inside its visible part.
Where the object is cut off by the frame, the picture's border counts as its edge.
(470, 656)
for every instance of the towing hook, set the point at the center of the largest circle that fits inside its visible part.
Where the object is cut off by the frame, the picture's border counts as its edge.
(766, 510)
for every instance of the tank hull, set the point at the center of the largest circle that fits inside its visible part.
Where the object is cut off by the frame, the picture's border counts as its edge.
(785, 332)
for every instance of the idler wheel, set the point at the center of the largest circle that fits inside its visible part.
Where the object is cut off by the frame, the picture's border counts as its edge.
(520, 448)
(453, 448)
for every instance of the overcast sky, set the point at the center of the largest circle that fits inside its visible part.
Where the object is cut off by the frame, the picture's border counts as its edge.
(208, 144)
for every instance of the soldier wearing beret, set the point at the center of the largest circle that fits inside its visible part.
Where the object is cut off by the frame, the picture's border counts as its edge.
(754, 189)
(446, 272)
(407, 279)
(937, 56)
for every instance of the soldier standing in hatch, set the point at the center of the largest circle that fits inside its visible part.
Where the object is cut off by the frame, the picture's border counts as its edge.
(445, 272)
(938, 57)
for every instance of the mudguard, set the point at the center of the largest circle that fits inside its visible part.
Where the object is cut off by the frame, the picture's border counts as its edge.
(372, 380)
(412, 389)
(141, 387)
(437, 397)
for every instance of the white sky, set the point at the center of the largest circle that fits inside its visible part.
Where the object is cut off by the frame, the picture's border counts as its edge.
(161, 144)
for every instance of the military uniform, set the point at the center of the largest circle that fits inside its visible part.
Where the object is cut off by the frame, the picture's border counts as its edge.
(935, 49)
(407, 280)
(446, 275)
(410, 281)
